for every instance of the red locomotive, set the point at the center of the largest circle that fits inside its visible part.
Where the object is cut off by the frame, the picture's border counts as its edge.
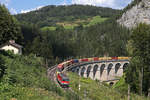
(63, 80)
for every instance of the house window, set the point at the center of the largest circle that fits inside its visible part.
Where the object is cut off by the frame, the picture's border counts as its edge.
(12, 51)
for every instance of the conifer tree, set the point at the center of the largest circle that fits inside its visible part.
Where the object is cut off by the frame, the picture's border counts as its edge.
(139, 70)
(9, 27)
(2, 68)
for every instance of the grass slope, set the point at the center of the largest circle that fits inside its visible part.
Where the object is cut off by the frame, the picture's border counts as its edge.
(89, 21)
(52, 28)
(26, 79)
(93, 90)
(96, 20)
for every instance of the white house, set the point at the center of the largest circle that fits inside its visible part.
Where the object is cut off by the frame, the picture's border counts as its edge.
(12, 46)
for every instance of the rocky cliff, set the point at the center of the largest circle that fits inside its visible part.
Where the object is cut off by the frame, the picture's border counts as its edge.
(139, 13)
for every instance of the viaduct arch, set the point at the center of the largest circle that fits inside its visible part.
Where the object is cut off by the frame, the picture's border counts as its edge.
(105, 71)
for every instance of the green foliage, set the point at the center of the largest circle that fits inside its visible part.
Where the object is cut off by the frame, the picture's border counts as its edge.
(26, 79)
(2, 68)
(121, 85)
(139, 71)
(97, 40)
(132, 74)
(50, 15)
(29, 32)
(96, 20)
(102, 36)
(68, 27)
(52, 28)
(94, 90)
(89, 21)
(9, 28)
(10, 92)
(53, 44)
(20, 70)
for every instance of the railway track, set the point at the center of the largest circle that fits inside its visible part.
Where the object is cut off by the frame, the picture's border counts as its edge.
(52, 76)
(51, 72)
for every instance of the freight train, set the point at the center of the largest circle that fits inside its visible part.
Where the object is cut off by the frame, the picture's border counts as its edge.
(63, 80)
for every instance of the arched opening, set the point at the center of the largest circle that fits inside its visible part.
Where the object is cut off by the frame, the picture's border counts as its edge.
(102, 69)
(111, 83)
(77, 70)
(95, 70)
(73, 69)
(82, 71)
(88, 70)
(117, 66)
(125, 67)
(109, 68)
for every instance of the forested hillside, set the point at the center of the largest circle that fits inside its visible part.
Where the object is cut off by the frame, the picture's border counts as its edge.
(50, 15)
(105, 38)
(95, 32)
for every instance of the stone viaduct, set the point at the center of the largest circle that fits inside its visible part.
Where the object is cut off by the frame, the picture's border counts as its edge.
(106, 71)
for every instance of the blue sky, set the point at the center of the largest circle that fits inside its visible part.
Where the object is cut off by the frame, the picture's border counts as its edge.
(23, 6)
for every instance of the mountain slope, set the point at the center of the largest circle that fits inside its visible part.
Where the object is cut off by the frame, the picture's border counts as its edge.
(95, 31)
(139, 13)
(50, 15)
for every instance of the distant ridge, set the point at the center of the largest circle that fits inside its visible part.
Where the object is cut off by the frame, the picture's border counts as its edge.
(50, 15)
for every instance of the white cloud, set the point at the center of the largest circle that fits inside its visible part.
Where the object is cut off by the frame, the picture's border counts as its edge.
(13, 11)
(64, 2)
(6, 2)
(93, 2)
(32, 9)
(117, 4)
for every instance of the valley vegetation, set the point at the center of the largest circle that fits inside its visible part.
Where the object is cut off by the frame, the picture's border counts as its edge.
(56, 33)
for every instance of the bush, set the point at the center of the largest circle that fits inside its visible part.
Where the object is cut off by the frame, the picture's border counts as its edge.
(26, 79)
(121, 85)
(93, 90)
(2, 68)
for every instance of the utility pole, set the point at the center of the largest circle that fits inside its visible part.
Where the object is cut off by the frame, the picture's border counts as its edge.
(46, 62)
(141, 80)
(79, 86)
(149, 93)
(128, 91)
(85, 94)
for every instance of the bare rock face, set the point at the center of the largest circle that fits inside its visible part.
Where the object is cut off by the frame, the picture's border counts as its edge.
(137, 14)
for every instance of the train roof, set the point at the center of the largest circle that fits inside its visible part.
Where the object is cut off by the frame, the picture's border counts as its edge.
(64, 76)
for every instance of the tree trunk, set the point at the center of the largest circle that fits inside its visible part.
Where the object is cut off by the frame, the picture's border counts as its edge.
(46, 63)
(128, 91)
(149, 93)
(141, 81)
